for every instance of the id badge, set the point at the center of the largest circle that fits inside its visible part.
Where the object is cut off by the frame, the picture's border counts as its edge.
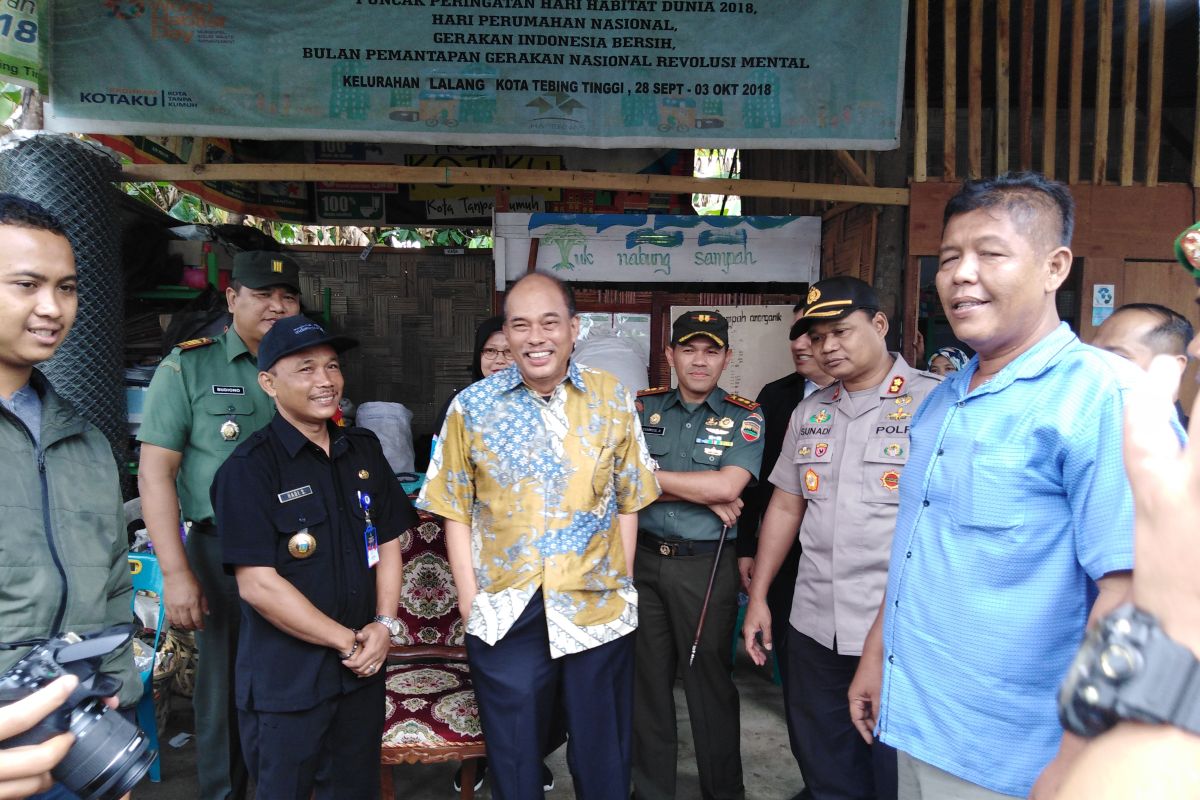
(370, 536)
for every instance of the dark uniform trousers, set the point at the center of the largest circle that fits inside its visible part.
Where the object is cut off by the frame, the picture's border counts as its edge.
(834, 760)
(670, 594)
(217, 743)
(325, 752)
(518, 687)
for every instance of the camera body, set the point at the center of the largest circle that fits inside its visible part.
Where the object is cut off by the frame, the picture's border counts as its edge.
(110, 754)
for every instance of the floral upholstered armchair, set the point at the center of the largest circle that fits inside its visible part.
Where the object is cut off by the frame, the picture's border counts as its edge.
(431, 713)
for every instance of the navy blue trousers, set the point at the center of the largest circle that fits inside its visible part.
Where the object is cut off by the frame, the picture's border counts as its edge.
(328, 751)
(834, 760)
(518, 686)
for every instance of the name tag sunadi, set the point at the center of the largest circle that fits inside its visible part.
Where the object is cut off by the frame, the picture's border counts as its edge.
(370, 537)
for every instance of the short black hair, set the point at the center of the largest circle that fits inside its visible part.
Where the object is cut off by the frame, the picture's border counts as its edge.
(798, 307)
(1172, 333)
(22, 213)
(567, 294)
(1026, 196)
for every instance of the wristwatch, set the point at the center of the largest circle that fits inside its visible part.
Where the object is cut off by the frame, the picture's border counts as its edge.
(391, 623)
(1128, 668)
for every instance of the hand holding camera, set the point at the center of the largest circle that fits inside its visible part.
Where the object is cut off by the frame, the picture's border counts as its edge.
(110, 754)
(26, 770)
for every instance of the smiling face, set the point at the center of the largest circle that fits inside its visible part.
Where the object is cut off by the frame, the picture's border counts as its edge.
(541, 332)
(256, 310)
(306, 386)
(853, 349)
(698, 364)
(997, 282)
(805, 360)
(38, 299)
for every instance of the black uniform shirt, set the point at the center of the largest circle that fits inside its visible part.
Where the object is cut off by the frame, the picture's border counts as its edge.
(278, 488)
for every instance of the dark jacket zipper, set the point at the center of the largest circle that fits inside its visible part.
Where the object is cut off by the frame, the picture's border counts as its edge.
(48, 528)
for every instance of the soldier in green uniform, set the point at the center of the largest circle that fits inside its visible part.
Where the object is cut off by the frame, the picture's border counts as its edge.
(203, 402)
(707, 445)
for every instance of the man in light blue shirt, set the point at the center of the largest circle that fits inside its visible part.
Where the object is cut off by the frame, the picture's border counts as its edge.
(1016, 521)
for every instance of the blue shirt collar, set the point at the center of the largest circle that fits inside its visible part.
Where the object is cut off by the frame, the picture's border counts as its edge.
(1029, 364)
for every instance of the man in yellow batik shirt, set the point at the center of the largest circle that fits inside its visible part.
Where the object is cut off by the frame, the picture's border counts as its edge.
(539, 473)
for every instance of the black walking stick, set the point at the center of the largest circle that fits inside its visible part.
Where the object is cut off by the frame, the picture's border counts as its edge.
(712, 576)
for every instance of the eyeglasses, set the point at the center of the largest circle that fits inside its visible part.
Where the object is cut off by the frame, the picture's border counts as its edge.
(491, 354)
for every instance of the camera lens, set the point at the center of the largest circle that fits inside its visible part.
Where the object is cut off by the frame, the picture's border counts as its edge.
(109, 757)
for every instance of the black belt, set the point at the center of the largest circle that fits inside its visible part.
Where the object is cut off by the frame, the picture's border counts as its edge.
(207, 528)
(669, 548)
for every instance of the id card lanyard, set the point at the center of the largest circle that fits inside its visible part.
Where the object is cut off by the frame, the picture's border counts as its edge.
(370, 537)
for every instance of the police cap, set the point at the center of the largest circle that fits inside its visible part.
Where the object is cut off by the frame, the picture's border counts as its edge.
(834, 298)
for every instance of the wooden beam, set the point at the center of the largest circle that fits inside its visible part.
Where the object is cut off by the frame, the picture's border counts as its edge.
(1025, 114)
(1075, 124)
(478, 176)
(949, 91)
(837, 210)
(1158, 24)
(1050, 86)
(1103, 90)
(921, 94)
(1003, 81)
(975, 93)
(852, 168)
(1129, 91)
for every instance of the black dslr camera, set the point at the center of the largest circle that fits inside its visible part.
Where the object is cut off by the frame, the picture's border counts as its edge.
(110, 754)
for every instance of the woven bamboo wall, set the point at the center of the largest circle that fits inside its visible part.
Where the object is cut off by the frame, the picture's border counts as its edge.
(414, 313)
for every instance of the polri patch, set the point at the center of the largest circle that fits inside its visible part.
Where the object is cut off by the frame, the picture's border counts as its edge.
(294, 494)
(228, 389)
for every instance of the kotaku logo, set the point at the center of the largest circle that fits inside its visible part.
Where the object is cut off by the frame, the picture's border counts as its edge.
(125, 10)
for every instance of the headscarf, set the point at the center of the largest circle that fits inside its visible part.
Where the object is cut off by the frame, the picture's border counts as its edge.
(482, 334)
(952, 354)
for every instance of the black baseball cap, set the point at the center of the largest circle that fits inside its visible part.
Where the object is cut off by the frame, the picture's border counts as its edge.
(258, 269)
(700, 323)
(834, 298)
(293, 334)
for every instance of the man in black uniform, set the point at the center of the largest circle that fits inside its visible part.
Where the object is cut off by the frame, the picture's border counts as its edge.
(309, 515)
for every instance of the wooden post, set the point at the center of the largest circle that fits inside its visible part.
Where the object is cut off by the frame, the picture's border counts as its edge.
(1158, 20)
(1129, 91)
(921, 94)
(950, 91)
(975, 93)
(1103, 90)
(1003, 79)
(1075, 125)
(1025, 121)
(1050, 87)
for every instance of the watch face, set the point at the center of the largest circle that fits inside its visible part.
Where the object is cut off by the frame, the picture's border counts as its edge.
(1086, 701)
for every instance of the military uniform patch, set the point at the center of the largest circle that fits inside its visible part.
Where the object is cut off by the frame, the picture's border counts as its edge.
(738, 400)
(890, 480)
(653, 390)
(751, 430)
(896, 386)
(192, 344)
(821, 449)
(812, 481)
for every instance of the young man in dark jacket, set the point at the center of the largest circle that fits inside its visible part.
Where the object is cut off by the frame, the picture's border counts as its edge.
(63, 545)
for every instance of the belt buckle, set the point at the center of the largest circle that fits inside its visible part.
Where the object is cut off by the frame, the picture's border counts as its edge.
(664, 549)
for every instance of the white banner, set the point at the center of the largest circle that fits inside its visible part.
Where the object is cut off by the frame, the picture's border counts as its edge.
(648, 248)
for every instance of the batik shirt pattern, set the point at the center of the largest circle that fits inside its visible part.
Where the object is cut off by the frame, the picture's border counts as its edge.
(540, 483)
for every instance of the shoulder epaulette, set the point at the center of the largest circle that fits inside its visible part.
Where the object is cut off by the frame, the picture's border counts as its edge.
(192, 344)
(653, 390)
(738, 400)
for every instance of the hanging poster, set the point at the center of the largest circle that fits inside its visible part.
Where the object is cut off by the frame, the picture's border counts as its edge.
(22, 35)
(584, 73)
(656, 248)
